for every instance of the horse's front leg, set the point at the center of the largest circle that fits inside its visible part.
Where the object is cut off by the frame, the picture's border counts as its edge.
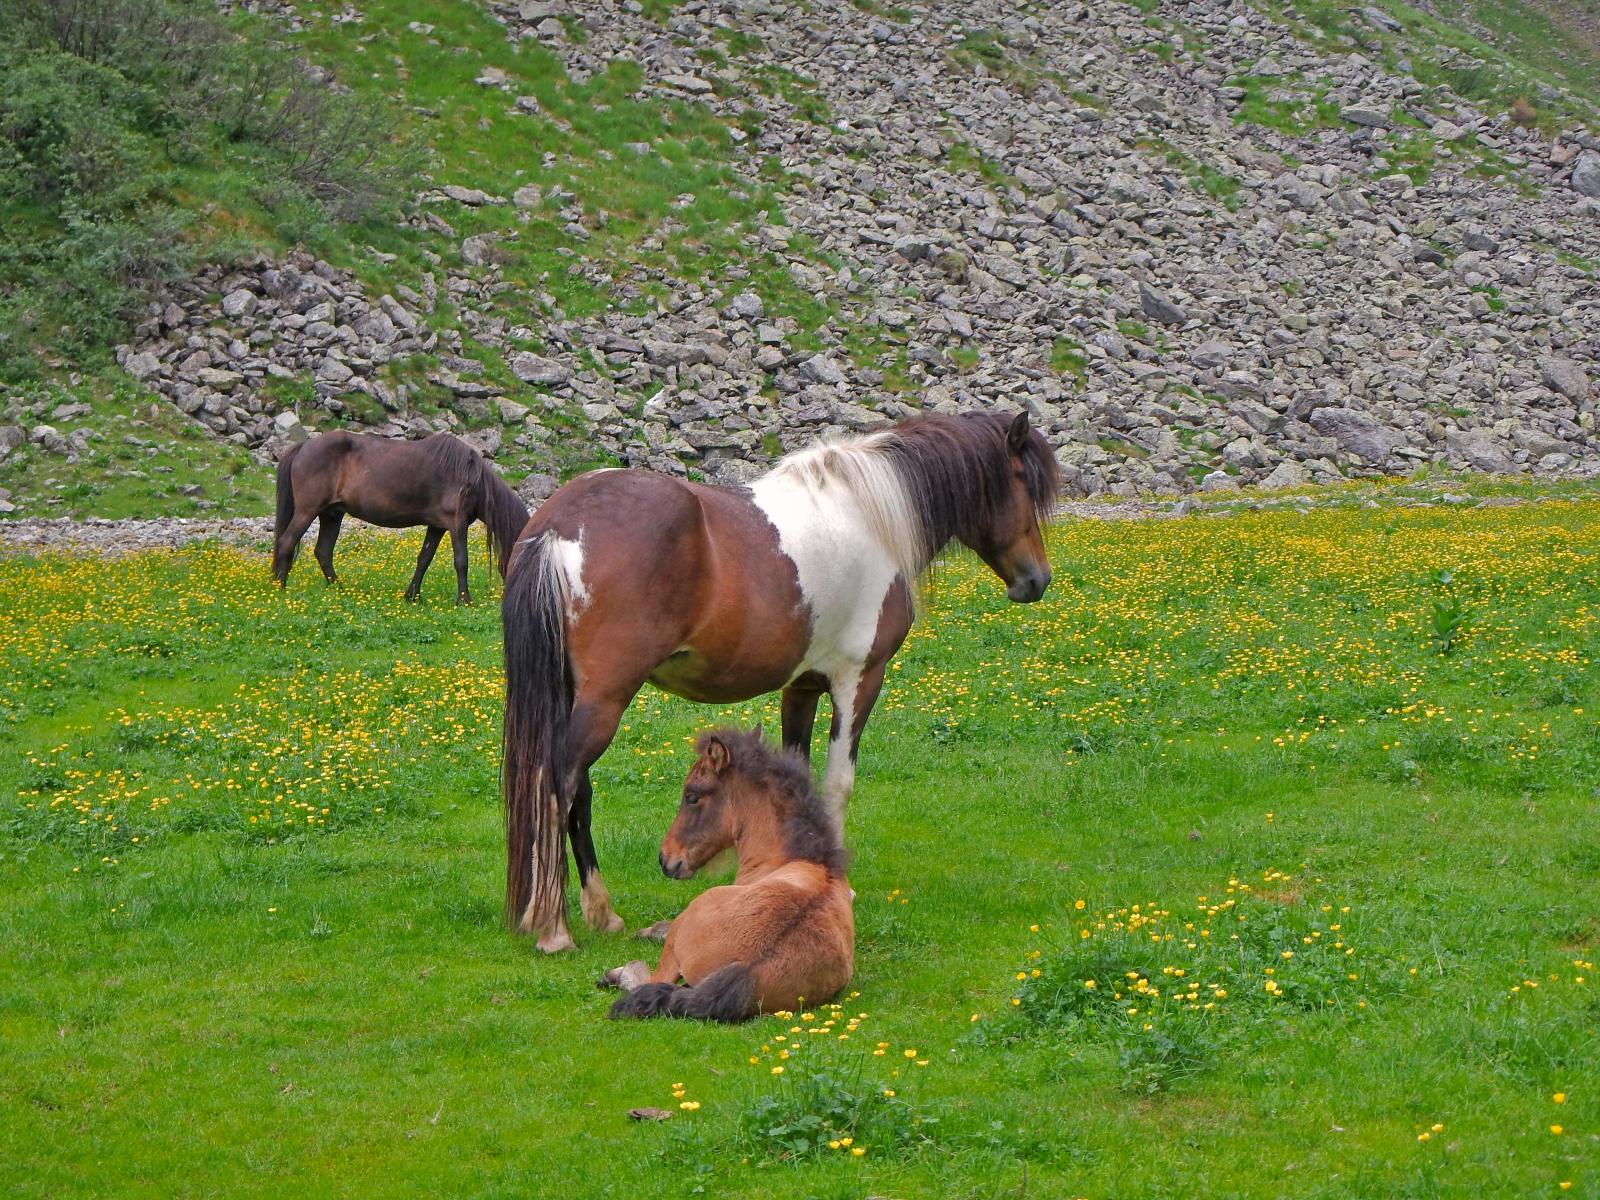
(430, 543)
(853, 696)
(458, 547)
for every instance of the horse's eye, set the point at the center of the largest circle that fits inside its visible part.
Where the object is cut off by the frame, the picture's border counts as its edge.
(691, 799)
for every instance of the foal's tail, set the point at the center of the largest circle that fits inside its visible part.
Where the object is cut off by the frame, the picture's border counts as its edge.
(728, 995)
(538, 706)
(285, 511)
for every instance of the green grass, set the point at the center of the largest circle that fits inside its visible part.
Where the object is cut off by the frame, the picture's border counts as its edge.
(142, 454)
(251, 856)
(1491, 53)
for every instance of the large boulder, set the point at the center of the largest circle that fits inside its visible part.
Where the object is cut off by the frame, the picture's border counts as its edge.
(1357, 432)
(1586, 174)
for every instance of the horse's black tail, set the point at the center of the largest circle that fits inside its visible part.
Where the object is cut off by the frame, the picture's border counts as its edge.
(728, 995)
(503, 515)
(281, 561)
(538, 706)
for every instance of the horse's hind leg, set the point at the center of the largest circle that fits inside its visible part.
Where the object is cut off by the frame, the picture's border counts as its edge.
(327, 534)
(799, 715)
(288, 544)
(593, 726)
(430, 543)
(458, 547)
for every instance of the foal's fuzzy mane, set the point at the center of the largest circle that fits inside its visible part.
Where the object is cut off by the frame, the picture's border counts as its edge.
(808, 829)
(929, 479)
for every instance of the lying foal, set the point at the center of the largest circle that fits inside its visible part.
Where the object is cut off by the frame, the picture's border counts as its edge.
(782, 933)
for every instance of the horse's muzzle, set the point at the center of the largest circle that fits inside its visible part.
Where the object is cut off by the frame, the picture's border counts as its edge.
(678, 868)
(1025, 589)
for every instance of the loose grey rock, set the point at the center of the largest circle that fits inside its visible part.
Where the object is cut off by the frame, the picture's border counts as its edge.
(239, 303)
(480, 250)
(531, 368)
(820, 369)
(1158, 308)
(472, 197)
(1586, 173)
(1566, 377)
(142, 365)
(1287, 474)
(286, 426)
(1481, 451)
(1365, 114)
(1358, 433)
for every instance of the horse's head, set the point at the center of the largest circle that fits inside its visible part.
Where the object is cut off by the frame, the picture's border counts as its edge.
(1010, 540)
(704, 826)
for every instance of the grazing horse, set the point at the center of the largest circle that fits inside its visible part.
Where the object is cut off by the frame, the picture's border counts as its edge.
(804, 581)
(781, 935)
(440, 482)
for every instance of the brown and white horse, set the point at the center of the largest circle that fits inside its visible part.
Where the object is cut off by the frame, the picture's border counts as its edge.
(440, 482)
(781, 935)
(804, 581)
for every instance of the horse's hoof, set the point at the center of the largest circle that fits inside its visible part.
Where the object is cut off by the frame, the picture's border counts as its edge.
(654, 933)
(555, 943)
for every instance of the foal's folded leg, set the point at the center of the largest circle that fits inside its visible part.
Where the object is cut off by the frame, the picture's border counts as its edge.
(627, 977)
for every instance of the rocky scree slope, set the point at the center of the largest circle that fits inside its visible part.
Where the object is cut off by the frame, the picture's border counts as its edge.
(1203, 252)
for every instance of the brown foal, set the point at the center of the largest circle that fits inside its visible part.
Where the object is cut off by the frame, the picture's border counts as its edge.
(782, 934)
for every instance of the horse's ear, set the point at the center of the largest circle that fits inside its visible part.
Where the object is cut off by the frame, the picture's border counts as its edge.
(717, 754)
(1017, 435)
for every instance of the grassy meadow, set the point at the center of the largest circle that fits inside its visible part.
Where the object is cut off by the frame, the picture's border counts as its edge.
(1258, 859)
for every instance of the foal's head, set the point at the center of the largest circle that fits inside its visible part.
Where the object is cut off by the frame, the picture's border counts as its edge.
(741, 791)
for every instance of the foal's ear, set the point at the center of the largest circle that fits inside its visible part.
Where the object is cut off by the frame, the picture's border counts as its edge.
(1017, 435)
(717, 754)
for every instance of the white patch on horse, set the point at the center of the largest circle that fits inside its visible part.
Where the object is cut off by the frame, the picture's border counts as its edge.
(844, 519)
(843, 568)
(840, 777)
(567, 554)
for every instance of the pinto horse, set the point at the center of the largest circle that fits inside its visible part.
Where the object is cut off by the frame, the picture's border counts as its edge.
(803, 582)
(781, 935)
(440, 482)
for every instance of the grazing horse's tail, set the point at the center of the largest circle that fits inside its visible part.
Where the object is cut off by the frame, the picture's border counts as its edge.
(285, 512)
(728, 995)
(538, 706)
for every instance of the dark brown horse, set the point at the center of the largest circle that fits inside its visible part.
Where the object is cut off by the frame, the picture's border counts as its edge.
(781, 935)
(805, 581)
(440, 482)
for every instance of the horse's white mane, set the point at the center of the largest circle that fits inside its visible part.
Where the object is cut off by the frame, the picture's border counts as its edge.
(858, 467)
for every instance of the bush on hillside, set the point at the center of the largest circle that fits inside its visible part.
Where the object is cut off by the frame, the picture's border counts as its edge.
(119, 119)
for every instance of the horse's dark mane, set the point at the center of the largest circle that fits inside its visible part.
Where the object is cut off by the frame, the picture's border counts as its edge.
(501, 510)
(957, 472)
(808, 829)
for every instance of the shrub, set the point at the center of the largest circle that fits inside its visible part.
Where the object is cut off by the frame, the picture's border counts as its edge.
(104, 106)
